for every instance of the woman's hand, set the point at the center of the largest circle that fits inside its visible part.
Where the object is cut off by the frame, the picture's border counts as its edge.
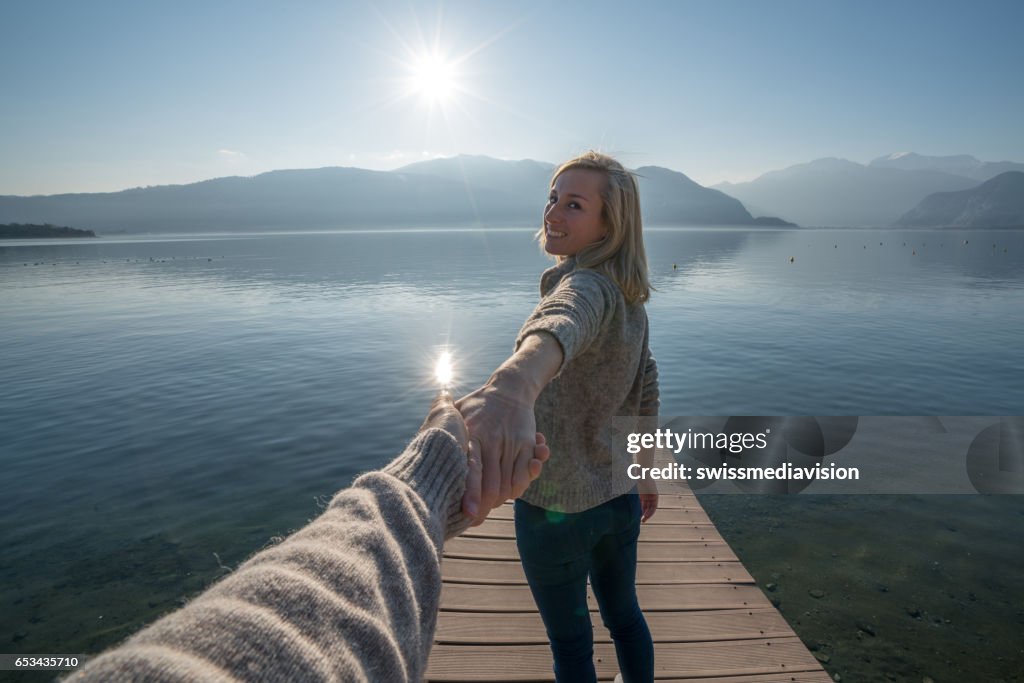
(505, 451)
(648, 490)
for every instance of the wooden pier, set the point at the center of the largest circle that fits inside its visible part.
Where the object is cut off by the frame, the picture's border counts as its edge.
(709, 621)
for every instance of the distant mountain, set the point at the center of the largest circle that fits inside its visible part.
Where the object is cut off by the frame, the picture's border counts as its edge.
(321, 198)
(459, 191)
(525, 178)
(960, 164)
(670, 198)
(996, 203)
(839, 193)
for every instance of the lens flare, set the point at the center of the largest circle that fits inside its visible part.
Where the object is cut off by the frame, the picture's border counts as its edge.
(443, 371)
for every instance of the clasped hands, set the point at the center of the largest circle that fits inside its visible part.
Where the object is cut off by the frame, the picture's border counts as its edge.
(498, 433)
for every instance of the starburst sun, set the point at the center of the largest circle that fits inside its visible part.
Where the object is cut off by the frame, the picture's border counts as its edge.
(433, 78)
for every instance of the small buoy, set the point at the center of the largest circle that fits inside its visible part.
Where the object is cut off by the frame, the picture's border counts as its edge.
(965, 241)
(792, 258)
(914, 253)
(835, 246)
(865, 246)
(879, 244)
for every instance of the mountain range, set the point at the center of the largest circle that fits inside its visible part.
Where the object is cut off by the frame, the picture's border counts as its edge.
(480, 191)
(834, 192)
(448, 192)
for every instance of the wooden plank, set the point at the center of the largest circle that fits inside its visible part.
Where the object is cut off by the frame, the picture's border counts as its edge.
(519, 628)
(677, 495)
(505, 528)
(686, 551)
(661, 516)
(458, 570)
(819, 676)
(672, 498)
(468, 597)
(775, 656)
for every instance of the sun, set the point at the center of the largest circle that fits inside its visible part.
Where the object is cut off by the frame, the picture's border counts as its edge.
(433, 78)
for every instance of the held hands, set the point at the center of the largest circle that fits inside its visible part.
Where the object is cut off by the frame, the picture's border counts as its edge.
(506, 453)
(444, 415)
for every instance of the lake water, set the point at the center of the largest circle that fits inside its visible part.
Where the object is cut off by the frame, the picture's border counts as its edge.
(168, 404)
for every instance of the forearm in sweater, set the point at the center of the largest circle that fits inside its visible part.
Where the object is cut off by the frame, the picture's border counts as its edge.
(353, 596)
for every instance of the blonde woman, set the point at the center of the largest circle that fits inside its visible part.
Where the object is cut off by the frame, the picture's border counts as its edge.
(582, 357)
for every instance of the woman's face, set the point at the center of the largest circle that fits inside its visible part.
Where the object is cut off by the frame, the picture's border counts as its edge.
(572, 217)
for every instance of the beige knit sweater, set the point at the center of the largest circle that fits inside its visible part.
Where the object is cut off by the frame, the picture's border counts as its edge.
(353, 596)
(607, 370)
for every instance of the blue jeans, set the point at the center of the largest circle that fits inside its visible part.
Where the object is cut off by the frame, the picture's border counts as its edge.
(559, 551)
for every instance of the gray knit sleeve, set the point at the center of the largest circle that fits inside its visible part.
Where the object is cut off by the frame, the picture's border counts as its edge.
(574, 312)
(352, 596)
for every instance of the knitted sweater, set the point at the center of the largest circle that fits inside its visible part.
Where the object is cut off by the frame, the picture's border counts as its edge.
(607, 370)
(353, 596)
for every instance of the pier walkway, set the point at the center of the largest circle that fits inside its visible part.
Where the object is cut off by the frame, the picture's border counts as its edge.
(710, 622)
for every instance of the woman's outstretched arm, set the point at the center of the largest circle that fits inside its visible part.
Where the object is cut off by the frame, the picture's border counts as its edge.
(500, 414)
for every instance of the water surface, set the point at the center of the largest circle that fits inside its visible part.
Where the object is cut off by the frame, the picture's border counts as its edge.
(171, 403)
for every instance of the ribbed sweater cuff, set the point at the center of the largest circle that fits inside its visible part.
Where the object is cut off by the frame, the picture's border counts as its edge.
(435, 467)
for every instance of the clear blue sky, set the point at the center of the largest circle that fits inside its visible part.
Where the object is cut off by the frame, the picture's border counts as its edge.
(103, 96)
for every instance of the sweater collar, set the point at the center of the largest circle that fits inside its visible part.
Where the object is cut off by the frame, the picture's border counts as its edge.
(553, 275)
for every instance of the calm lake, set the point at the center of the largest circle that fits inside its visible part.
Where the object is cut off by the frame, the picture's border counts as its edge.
(169, 404)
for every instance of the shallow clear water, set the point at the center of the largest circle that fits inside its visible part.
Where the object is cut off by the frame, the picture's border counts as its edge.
(165, 399)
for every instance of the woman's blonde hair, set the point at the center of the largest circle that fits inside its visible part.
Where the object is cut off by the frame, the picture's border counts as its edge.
(620, 255)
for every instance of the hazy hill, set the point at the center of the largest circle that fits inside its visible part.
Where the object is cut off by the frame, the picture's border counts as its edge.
(670, 198)
(960, 164)
(526, 178)
(461, 191)
(839, 193)
(296, 199)
(667, 197)
(996, 203)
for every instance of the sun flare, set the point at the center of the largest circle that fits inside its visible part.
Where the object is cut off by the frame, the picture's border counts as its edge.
(443, 371)
(433, 78)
